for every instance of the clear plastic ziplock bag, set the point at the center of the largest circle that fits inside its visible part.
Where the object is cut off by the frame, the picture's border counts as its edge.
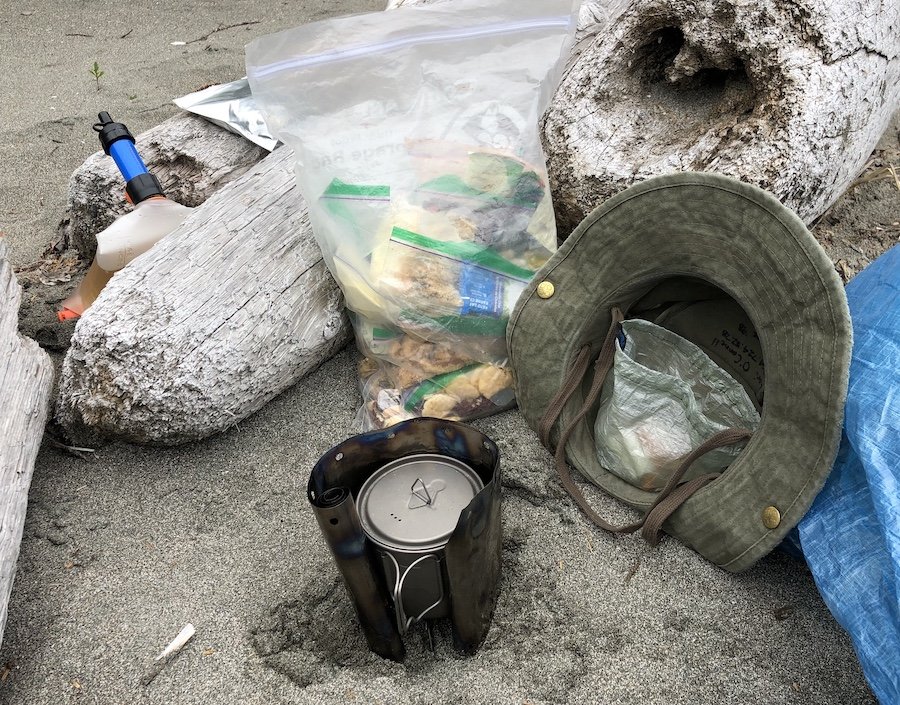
(663, 398)
(419, 156)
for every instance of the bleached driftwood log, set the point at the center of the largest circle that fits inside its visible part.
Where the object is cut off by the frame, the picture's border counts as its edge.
(190, 156)
(791, 95)
(218, 318)
(26, 378)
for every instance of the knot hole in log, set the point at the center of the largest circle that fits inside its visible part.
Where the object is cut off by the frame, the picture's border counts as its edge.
(184, 171)
(683, 82)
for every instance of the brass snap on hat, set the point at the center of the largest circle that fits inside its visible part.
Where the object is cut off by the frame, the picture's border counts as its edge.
(725, 265)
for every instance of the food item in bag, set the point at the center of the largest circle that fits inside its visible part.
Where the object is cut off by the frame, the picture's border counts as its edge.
(663, 398)
(498, 201)
(419, 155)
(467, 393)
(402, 377)
(453, 291)
(419, 359)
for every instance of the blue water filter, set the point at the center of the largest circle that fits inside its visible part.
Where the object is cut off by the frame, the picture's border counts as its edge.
(118, 143)
(127, 159)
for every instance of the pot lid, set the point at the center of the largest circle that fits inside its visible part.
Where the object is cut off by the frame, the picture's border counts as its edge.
(413, 503)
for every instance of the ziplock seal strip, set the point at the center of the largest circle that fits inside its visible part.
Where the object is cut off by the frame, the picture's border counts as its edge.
(427, 38)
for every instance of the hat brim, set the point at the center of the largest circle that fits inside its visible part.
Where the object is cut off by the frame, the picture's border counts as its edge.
(742, 240)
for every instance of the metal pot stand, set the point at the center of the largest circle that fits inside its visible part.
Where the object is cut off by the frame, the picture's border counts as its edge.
(374, 571)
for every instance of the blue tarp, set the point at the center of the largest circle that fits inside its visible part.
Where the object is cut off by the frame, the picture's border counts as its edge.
(851, 535)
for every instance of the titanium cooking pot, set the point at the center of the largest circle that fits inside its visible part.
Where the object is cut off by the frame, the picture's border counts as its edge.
(408, 509)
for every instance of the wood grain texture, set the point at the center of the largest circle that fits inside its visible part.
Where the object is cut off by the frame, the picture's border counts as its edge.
(790, 95)
(218, 318)
(190, 156)
(26, 379)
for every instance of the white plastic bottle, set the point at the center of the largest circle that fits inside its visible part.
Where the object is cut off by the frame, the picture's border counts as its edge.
(129, 236)
(134, 233)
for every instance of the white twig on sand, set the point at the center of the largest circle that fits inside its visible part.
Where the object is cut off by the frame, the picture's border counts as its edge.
(184, 636)
(167, 654)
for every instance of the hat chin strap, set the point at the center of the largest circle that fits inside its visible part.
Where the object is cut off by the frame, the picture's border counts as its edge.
(674, 494)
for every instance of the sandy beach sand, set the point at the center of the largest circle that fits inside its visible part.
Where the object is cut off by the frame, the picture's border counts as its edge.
(122, 550)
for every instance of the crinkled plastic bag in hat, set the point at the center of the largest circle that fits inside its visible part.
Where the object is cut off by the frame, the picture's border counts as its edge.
(419, 156)
(664, 397)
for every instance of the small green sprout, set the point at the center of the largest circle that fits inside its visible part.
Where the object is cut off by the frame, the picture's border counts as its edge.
(96, 72)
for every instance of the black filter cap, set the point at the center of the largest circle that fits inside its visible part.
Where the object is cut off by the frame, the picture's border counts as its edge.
(110, 131)
(142, 187)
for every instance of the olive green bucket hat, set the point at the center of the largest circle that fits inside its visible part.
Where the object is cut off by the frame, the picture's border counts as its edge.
(725, 265)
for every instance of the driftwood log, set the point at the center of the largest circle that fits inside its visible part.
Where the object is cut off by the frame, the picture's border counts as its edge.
(190, 156)
(26, 378)
(218, 318)
(791, 95)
